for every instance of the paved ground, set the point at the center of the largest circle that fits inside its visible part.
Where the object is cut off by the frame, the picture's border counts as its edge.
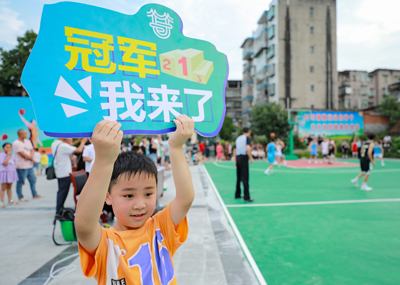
(211, 254)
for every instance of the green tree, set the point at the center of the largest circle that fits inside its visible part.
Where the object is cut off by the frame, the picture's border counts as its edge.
(12, 62)
(269, 118)
(389, 107)
(227, 130)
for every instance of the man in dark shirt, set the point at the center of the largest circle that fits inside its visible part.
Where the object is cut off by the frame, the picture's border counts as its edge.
(366, 156)
(242, 154)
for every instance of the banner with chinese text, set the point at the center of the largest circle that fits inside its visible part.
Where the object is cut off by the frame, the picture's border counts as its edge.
(90, 64)
(330, 124)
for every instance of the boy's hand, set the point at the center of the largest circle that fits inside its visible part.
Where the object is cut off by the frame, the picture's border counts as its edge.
(107, 141)
(184, 130)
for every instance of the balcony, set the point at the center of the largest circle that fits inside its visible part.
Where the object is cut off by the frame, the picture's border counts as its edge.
(271, 13)
(344, 90)
(247, 47)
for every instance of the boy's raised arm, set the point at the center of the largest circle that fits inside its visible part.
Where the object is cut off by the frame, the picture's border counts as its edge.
(107, 141)
(180, 169)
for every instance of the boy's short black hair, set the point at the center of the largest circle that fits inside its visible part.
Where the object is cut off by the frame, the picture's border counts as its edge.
(135, 148)
(246, 130)
(130, 164)
(6, 144)
(371, 136)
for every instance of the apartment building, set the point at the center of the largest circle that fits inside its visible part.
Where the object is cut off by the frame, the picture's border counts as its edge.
(359, 89)
(291, 57)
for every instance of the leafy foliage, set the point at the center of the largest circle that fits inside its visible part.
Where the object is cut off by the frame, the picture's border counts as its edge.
(227, 130)
(12, 62)
(269, 118)
(389, 107)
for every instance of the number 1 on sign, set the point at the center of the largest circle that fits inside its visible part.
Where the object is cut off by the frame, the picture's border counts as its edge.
(184, 65)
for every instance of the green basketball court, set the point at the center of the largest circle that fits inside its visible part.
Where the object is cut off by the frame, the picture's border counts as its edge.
(313, 226)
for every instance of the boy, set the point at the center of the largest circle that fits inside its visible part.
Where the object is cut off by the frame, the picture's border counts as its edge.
(271, 156)
(313, 147)
(139, 248)
(366, 156)
(324, 148)
(44, 161)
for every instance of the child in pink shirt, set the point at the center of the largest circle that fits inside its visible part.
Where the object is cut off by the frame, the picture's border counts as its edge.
(8, 174)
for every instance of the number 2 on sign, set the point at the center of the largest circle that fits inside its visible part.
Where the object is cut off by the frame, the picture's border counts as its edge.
(184, 65)
(168, 62)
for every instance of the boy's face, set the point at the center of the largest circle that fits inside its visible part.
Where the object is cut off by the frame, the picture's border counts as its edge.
(133, 200)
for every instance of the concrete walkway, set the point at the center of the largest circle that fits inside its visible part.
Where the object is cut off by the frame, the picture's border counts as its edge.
(211, 254)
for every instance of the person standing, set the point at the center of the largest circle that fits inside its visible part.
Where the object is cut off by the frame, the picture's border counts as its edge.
(37, 158)
(332, 151)
(242, 154)
(44, 162)
(271, 149)
(207, 149)
(88, 156)
(8, 174)
(366, 157)
(325, 148)
(24, 162)
(62, 152)
(359, 144)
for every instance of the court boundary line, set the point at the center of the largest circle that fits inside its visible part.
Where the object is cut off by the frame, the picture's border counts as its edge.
(355, 170)
(239, 237)
(314, 203)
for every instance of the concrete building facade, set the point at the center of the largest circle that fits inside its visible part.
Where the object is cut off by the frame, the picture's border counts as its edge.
(359, 89)
(291, 57)
(233, 101)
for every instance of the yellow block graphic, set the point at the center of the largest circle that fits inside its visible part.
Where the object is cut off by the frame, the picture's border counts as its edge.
(187, 64)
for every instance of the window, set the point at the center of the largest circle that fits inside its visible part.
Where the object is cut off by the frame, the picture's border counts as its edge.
(311, 11)
(271, 51)
(271, 89)
(364, 90)
(312, 88)
(385, 78)
(271, 13)
(370, 104)
(364, 104)
(371, 92)
(347, 104)
(311, 30)
(311, 69)
(354, 78)
(311, 49)
(271, 32)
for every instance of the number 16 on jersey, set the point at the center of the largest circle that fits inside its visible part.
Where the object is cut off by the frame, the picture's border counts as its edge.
(187, 64)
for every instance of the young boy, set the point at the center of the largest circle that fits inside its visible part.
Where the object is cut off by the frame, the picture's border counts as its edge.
(139, 248)
(366, 156)
(313, 147)
(271, 148)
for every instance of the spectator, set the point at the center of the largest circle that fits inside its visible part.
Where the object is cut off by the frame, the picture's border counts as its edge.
(63, 152)
(144, 146)
(88, 157)
(8, 174)
(226, 151)
(153, 150)
(37, 157)
(123, 147)
(359, 143)
(207, 149)
(166, 154)
(219, 149)
(24, 163)
(44, 162)
(216, 142)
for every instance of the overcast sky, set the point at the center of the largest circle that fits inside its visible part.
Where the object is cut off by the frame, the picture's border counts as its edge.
(368, 30)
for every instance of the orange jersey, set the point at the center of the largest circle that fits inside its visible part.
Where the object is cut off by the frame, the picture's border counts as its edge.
(140, 256)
